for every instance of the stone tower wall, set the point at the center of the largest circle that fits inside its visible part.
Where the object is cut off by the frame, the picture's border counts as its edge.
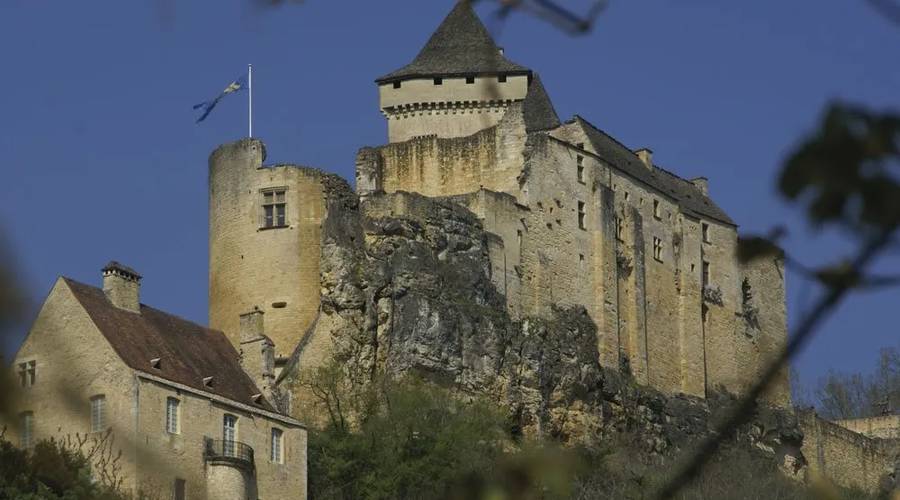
(454, 108)
(274, 269)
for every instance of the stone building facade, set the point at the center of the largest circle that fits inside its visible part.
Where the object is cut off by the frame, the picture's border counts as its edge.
(172, 397)
(572, 218)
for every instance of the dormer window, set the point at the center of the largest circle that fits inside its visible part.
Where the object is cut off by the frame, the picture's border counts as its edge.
(274, 208)
(438, 81)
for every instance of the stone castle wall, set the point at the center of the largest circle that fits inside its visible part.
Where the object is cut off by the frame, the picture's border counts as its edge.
(275, 269)
(884, 427)
(848, 458)
(564, 236)
(454, 108)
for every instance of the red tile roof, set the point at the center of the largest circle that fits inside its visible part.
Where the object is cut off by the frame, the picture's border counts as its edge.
(188, 352)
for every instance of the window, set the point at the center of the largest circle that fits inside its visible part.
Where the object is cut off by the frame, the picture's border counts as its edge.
(581, 215)
(620, 229)
(657, 248)
(397, 85)
(274, 208)
(98, 413)
(705, 228)
(580, 145)
(656, 211)
(501, 79)
(173, 424)
(580, 261)
(178, 489)
(519, 238)
(438, 81)
(27, 373)
(470, 80)
(277, 449)
(26, 428)
(627, 196)
(704, 279)
(229, 434)
(580, 162)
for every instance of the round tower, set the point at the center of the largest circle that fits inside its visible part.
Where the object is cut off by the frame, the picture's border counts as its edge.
(264, 243)
(458, 84)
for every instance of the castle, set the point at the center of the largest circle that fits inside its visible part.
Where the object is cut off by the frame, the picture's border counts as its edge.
(572, 217)
(562, 216)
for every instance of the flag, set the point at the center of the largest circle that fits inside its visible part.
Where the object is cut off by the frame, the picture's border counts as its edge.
(207, 106)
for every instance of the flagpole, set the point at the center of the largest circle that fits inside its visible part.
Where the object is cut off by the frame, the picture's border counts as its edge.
(250, 97)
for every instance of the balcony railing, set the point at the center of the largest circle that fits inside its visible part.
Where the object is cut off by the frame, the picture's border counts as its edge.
(231, 452)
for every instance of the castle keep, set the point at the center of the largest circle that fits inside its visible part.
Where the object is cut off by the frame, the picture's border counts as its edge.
(571, 217)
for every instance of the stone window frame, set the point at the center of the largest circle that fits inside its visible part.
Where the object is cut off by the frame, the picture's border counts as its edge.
(27, 373)
(26, 430)
(276, 446)
(470, 80)
(98, 413)
(274, 203)
(501, 79)
(657, 249)
(620, 229)
(173, 418)
(704, 231)
(579, 162)
(705, 274)
(398, 84)
(657, 209)
(438, 80)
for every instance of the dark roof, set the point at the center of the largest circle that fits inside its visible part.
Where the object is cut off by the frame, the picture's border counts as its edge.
(538, 108)
(691, 200)
(115, 266)
(188, 352)
(460, 46)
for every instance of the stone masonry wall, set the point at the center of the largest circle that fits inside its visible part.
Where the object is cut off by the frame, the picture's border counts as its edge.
(848, 458)
(275, 269)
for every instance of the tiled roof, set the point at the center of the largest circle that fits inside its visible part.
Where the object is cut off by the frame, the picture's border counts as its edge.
(188, 352)
(691, 200)
(538, 108)
(461, 46)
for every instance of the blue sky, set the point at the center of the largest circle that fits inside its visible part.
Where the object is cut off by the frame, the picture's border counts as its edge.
(102, 159)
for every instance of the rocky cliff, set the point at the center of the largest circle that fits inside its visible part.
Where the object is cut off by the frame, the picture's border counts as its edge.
(406, 289)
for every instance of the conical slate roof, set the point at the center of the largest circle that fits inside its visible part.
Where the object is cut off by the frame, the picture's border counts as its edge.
(538, 108)
(461, 46)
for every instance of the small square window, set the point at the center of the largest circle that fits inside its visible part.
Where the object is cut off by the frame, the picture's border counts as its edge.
(705, 228)
(470, 80)
(580, 145)
(398, 84)
(581, 216)
(438, 81)
(501, 79)
(657, 248)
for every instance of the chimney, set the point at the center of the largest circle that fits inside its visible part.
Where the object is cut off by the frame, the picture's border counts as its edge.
(257, 352)
(701, 183)
(646, 156)
(122, 286)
